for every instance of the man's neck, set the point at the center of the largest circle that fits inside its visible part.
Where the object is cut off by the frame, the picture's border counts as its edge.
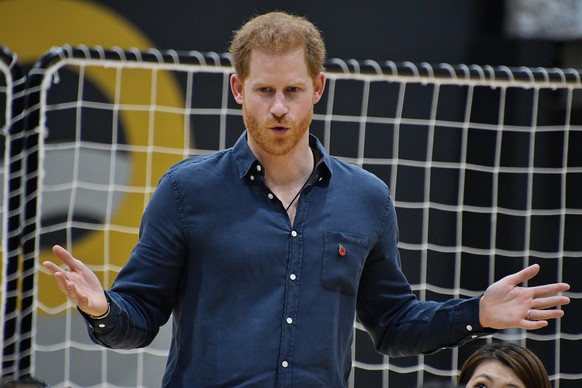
(289, 169)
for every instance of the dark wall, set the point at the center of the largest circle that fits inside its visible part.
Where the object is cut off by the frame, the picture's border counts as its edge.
(451, 31)
(417, 31)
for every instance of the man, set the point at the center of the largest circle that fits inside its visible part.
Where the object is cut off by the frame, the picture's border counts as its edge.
(264, 252)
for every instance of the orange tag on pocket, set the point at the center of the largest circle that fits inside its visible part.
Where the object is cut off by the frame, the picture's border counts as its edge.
(341, 250)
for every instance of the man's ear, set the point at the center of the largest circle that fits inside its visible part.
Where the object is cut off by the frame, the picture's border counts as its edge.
(236, 86)
(319, 84)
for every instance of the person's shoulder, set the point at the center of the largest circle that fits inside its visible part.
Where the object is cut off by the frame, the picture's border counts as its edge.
(198, 170)
(197, 163)
(355, 174)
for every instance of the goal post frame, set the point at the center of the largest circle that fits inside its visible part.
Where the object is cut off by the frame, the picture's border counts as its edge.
(42, 75)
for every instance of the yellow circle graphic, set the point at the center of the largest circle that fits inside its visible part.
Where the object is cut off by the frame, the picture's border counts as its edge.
(29, 29)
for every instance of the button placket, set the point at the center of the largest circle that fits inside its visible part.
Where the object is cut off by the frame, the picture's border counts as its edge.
(290, 307)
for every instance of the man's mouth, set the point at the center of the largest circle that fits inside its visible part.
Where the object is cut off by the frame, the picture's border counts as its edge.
(279, 129)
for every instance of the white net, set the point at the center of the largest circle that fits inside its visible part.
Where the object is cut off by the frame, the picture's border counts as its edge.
(5, 119)
(11, 143)
(482, 164)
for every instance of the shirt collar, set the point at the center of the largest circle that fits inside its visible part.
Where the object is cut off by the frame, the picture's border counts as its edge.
(248, 165)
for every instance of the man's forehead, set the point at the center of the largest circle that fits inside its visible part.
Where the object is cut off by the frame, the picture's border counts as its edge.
(289, 64)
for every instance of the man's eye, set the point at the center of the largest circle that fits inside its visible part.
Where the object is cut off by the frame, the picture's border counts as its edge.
(480, 385)
(293, 89)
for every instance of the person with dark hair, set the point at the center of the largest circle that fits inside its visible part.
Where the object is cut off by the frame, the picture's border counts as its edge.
(499, 364)
(264, 253)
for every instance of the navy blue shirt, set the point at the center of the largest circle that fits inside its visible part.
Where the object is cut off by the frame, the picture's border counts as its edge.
(256, 301)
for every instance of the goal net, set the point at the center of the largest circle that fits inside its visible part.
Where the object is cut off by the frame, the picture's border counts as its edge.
(484, 165)
(11, 145)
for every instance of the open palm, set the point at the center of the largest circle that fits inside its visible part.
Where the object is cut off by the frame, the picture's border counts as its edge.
(79, 283)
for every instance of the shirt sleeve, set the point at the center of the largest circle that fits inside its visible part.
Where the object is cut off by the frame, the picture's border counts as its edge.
(398, 323)
(145, 291)
(105, 328)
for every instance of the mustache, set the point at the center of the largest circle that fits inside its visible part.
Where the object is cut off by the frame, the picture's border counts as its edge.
(278, 123)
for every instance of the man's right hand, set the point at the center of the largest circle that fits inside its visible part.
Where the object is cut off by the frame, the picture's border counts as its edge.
(79, 283)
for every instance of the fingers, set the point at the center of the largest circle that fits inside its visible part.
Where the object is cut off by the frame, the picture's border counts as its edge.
(63, 283)
(543, 315)
(549, 302)
(63, 255)
(52, 267)
(70, 289)
(533, 325)
(538, 291)
(505, 304)
(543, 309)
(537, 319)
(59, 274)
(549, 289)
(524, 275)
(529, 273)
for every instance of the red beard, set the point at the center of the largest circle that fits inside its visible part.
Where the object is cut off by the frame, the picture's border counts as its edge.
(274, 143)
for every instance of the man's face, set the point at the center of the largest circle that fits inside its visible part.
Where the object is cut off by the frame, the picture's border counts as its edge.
(277, 98)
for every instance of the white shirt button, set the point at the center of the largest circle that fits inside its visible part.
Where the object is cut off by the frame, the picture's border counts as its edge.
(252, 177)
(292, 276)
(270, 195)
(101, 325)
(289, 320)
(259, 167)
(294, 233)
(320, 178)
(469, 328)
(284, 364)
(474, 336)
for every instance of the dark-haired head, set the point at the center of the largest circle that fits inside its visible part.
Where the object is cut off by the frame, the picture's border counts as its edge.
(524, 364)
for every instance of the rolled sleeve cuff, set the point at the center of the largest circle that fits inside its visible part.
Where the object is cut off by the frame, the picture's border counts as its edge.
(105, 324)
(468, 320)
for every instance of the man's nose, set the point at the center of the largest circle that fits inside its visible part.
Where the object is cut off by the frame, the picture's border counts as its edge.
(279, 106)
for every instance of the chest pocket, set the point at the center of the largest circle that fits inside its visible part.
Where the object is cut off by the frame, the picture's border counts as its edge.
(344, 256)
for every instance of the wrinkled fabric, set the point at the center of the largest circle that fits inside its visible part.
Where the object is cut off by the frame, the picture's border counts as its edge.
(256, 301)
